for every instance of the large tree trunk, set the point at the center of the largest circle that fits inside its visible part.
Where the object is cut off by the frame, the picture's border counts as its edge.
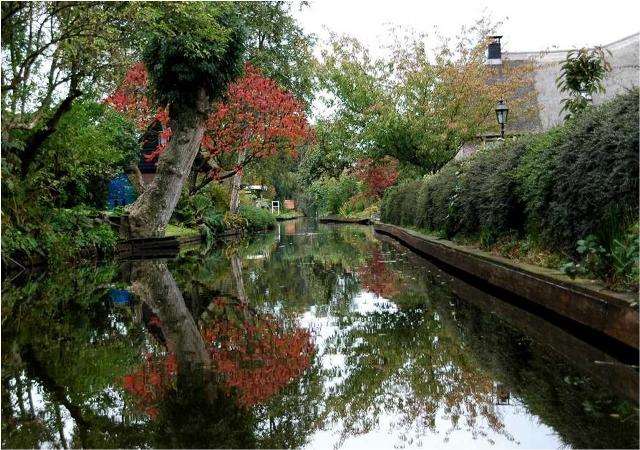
(235, 186)
(150, 213)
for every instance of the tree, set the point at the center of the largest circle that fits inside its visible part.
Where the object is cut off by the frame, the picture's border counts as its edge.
(54, 53)
(257, 119)
(416, 105)
(279, 48)
(377, 175)
(581, 76)
(256, 355)
(193, 52)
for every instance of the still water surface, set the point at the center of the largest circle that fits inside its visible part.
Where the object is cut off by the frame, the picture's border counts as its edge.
(315, 336)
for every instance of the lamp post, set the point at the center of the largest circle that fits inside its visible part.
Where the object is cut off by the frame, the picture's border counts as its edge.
(501, 115)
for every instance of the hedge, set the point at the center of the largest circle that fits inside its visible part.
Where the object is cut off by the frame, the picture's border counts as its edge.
(557, 187)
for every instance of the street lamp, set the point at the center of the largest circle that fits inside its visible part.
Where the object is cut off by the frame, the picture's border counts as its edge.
(501, 114)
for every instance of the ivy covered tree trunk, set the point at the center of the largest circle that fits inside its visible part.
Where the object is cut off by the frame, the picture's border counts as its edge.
(150, 213)
(235, 186)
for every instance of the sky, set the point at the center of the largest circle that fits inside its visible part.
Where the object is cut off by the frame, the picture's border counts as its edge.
(528, 25)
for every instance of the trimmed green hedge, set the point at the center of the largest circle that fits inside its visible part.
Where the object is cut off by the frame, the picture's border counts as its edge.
(556, 187)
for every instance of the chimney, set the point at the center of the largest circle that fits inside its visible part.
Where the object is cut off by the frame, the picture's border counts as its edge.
(494, 51)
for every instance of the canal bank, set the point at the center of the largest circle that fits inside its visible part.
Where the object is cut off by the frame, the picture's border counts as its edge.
(584, 302)
(342, 219)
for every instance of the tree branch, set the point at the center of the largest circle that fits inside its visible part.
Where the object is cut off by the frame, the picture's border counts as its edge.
(35, 141)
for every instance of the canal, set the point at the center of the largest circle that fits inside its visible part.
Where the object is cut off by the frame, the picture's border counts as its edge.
(314, 336)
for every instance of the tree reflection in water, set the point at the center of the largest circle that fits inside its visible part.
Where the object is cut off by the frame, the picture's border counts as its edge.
(274, 341)
(238, 356)
(403, 360)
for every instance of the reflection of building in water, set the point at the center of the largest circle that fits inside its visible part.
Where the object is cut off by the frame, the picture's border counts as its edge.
(502, 394)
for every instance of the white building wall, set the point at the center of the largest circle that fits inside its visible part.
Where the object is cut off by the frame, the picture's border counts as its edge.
(625, 74)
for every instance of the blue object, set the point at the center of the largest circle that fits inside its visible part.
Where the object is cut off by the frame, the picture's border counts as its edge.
(121, 192)
(120, 296)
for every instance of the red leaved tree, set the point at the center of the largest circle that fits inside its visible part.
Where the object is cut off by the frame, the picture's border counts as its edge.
(149, 384)
(256, 120)
(131, 100)
(377, 175)
(376, 277)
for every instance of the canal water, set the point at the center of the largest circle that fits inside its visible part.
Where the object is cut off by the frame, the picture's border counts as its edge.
(313, 336)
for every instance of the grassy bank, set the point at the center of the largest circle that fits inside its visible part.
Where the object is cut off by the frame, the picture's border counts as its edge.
(567, 197)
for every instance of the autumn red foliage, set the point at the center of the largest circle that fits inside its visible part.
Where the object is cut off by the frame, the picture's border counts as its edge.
(256, 117)
(131, 99)
(256, 356)
(150, 383)
(377, 175)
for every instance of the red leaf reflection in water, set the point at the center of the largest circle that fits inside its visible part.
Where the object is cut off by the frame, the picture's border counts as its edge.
(150, 383)
(377, 277)
(256, 356)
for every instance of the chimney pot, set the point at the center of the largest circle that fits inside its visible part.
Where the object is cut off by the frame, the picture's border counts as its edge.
(494, 51)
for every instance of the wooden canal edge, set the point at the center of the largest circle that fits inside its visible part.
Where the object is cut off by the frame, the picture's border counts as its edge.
(585, 302)
(162, 247)
(594, 361)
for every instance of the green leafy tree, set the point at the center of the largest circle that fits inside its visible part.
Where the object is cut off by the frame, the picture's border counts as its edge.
(582, 74)
(54, 53)
(279, 47)
(415, 105)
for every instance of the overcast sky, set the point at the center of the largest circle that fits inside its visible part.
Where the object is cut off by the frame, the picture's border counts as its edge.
(528, 25)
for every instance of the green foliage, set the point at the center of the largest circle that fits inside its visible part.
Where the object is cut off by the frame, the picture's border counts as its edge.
(68, 234)
(204, 211)
(192, 46)
(625, 255)
(416, 105)
(596, 166)
(49, 213)
(86, 47)
(581, 75)
(355, 204)
(257, 219)
(574, 184)
(92, 144)
(278, 46)
(328, 195)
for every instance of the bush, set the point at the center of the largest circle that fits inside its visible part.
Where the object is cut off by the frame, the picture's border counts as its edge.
(43, 216)
(257, 219)
(68, 234)
(204, 211)
(596, 167)
(556, 188)
(328, 195)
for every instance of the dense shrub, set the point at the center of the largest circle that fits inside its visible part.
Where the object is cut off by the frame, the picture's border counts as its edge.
(190, 210)
(596, 168)
(257, 218)
(49, 213)
(328, 195)
(68, 234)
(556, 188)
